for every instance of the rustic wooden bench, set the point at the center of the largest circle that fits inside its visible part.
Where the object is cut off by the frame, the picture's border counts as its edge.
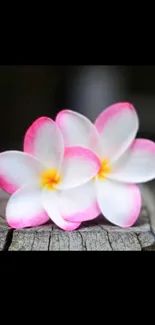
(95, 235)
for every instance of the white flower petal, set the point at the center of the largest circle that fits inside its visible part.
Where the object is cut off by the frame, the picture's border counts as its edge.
(117, 126)
(24, 208)
(119, 203)
(78, 130)
(18, 168)
(137, 165)
(79, 166)
(51, 206)
(78, 204)
(44, 140)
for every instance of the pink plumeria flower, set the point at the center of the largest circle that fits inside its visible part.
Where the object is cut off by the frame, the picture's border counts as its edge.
(124, 160)
(47, 180)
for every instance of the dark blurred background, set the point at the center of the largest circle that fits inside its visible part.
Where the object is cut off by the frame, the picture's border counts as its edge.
(28, 92)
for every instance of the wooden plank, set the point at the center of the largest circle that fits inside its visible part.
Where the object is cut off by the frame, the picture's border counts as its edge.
(30, 241)
(60, 241)
(3, 239)
(79, 241)
(124, 241)
(146, 239)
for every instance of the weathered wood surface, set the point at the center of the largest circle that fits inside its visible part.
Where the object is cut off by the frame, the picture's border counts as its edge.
(3, 239)
(97, 235)
(79, 241)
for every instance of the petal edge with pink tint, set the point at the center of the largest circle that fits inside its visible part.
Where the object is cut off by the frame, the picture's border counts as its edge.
(50, 203)
(78, 130)
(137, 165)
(119, 203)
(79, 166)
(44, 140)
(89, 214)
(117, 126)
(18, 168)
(24, 208)
(78, 204)
(8, 186)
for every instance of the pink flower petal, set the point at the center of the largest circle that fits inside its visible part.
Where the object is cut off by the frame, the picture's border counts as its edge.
(79, 166)
(137, 165)
(24, 208)
(120, 203)
(78, 204)
(44, 140)
(78, 130)
(18, 168)
(51, 206)
(117, 126)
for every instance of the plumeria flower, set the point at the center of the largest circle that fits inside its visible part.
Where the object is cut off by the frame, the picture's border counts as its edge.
(124, 159)
(47, 180)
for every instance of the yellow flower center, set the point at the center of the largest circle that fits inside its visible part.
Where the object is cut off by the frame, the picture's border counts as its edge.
(49, 179)
(104, 169)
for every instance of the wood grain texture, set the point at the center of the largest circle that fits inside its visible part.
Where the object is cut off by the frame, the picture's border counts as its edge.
(79, 241)
(146, 239)
(3, 239)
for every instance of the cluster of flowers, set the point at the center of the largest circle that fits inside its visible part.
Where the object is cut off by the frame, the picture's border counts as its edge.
(72, 170)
